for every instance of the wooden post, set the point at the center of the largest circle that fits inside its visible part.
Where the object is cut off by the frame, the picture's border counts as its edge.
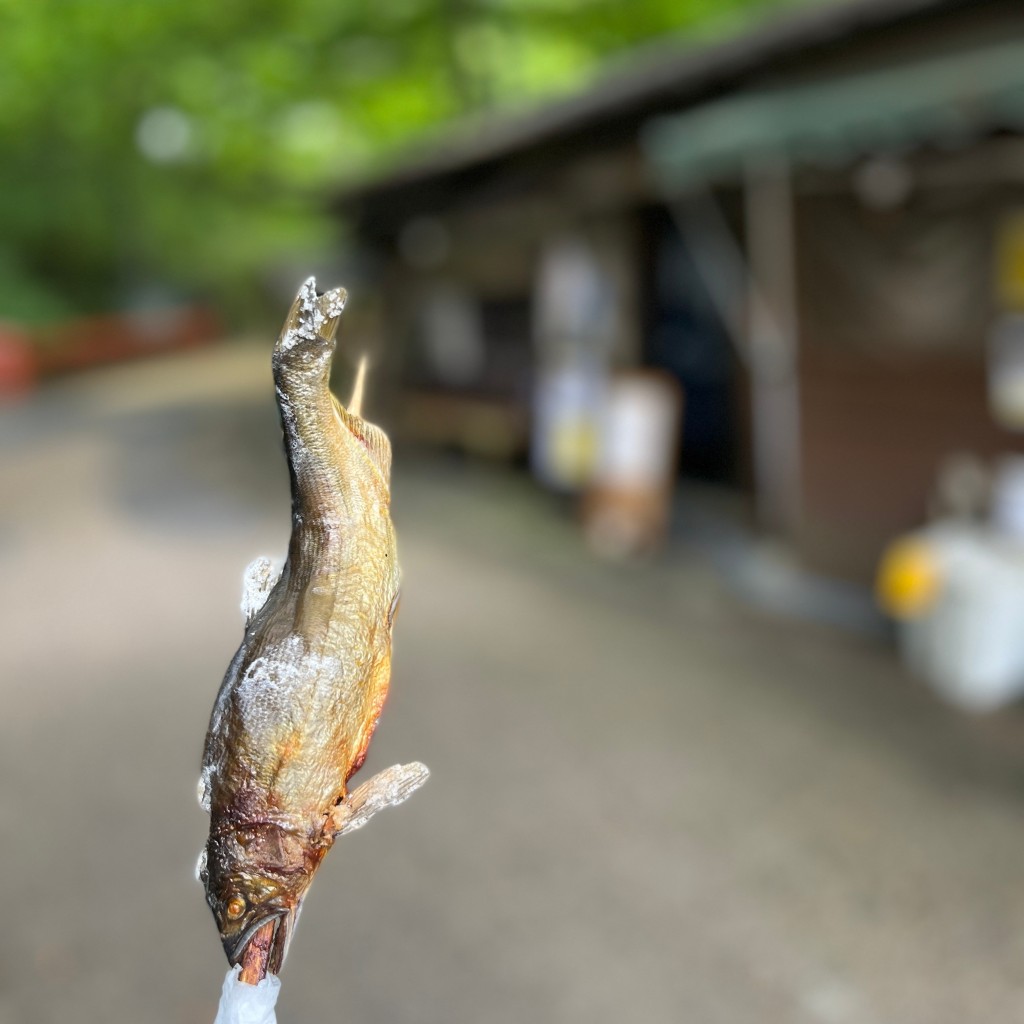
(772, 344)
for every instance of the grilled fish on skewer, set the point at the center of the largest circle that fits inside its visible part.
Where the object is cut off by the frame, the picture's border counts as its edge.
(301, 698)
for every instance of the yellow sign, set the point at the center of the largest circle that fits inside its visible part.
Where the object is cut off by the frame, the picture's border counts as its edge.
(909, 579)
(1010, 261)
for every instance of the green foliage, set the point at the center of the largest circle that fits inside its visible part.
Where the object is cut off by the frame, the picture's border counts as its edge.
(192, 143)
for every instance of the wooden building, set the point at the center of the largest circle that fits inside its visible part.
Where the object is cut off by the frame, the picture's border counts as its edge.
(817, 228)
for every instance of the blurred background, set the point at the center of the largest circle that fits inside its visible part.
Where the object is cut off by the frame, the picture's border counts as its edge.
(699, 331)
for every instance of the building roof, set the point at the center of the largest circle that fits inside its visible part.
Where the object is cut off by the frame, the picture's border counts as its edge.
(664, 79)
(943, 101)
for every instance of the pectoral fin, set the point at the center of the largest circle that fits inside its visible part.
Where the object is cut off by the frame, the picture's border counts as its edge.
(257, 583)
(388, 788)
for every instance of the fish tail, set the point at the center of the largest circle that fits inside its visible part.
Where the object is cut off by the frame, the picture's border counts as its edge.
(313, 319)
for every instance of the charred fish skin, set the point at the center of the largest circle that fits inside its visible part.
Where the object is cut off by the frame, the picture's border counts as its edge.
(301, 698)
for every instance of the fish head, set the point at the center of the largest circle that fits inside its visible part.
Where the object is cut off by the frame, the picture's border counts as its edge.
(254, 875)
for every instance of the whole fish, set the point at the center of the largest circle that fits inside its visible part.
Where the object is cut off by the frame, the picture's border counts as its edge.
(301, 698)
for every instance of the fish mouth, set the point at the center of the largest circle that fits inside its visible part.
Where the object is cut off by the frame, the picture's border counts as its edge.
(267, 952)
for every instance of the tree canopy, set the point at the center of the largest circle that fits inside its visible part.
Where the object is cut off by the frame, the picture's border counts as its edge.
(190, 144)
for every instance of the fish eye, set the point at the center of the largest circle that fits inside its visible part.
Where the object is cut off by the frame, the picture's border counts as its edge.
(235, 908)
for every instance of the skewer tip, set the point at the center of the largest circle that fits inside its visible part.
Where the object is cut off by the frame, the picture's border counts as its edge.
(355, 404)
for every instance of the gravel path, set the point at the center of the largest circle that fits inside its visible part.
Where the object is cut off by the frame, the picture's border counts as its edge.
(648, 803)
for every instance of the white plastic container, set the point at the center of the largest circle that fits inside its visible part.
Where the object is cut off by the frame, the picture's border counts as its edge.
(1008, 497)
(970, 645)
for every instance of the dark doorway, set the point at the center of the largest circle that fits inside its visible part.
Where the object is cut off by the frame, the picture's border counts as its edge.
(685, 336)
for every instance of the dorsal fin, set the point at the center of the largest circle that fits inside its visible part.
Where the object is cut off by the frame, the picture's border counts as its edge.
(373, 439)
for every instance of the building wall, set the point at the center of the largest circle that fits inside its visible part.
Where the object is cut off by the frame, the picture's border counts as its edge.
(481, 263)
(876, 431)
(896, 308)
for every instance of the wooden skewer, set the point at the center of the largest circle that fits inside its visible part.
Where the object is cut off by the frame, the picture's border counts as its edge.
(257, 955)
(355, 406)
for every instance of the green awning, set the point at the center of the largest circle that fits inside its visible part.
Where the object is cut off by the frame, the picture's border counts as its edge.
(944, 101)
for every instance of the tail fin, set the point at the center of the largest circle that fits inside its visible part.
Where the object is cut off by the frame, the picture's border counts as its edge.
(312, 317)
